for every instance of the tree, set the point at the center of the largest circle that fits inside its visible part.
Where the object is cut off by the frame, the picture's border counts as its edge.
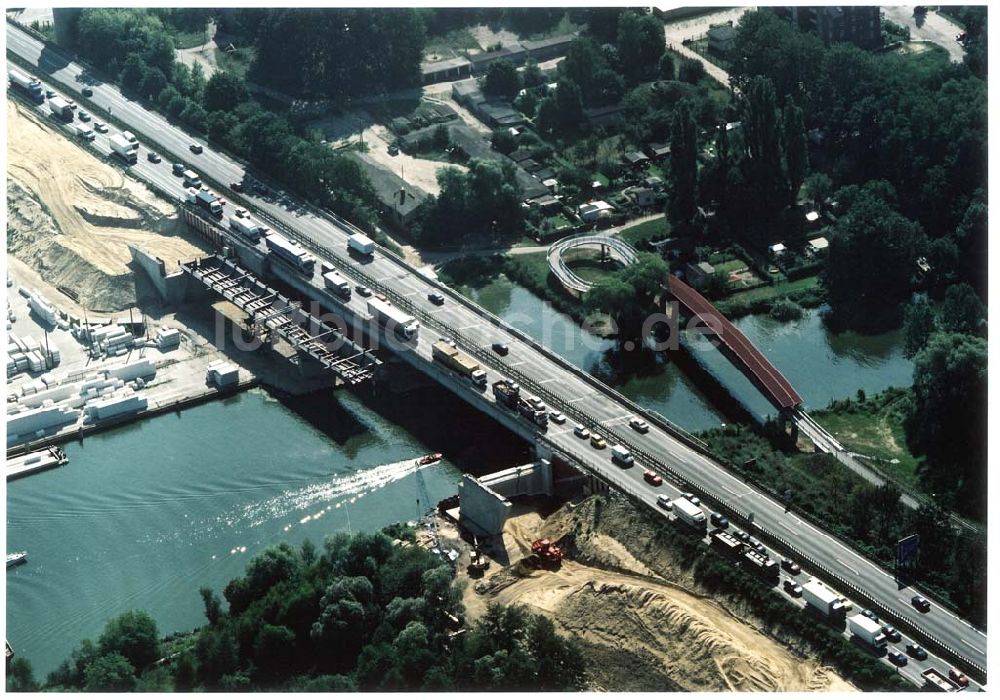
(132, 74)
(133, 635)
(569, 102)
(532, 75)
(819, 187)
(640, 45)
(962, 310)
(21, 677)
(691, 71)
(345, 614)
(153, 82)
(762, 141)
(666, 69)
(502, 79)
(796, 153)
(225, 91)
(274, 649)
(683, 166)
(918, 326)
(212, 603)
(503, 141)
(110, 673)
(947, 422)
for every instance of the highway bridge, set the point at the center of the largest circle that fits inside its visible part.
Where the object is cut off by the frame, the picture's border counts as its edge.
(682, 459)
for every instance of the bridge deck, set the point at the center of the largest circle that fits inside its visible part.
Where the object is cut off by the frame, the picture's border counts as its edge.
(778, 389)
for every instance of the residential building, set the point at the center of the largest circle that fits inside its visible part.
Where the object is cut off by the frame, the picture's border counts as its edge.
(545, 49)
(592, 211)
(446, 69)
(721, 38)
(699, 273)
(399, 199)
(858, 24)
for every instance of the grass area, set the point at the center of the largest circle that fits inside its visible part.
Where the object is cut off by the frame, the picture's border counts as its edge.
(806, 292)
(562, 27)
(236, 61)
(188, 40)
(592, 270)
(728, 266)
(700, 47)
(445, 46)
(874, 427)
(652, 230)
(925, 55)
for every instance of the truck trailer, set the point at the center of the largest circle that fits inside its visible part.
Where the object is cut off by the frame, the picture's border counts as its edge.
(290, 252)
(128, 152)
(934, 680)
(394, 319)
(689, 513)
(457, 360)
(361, 244)
(337, 284)
(822, 599)
(529, 410)
(246, 227)
(61, 109)
(506, 393)
(31, 87)
(867, 630)
(205, 199)
(761, 564)
(727, 544)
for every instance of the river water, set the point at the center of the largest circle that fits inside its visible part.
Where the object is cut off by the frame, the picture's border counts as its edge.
(144, 515)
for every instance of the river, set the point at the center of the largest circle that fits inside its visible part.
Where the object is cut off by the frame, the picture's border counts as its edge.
(144, 515)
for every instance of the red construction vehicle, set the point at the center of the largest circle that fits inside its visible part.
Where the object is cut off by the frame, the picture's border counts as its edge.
(547, 553)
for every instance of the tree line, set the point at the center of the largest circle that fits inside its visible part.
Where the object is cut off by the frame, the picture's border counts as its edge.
(363, 613)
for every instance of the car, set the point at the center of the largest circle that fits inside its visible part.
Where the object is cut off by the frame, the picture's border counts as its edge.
(448, 340)
(756, 544)
(240, 212)
(846, 604)
(652, 477)
(362, 290)
(153, 157)
(50, 94)
(236, 186)
(921, 603)
(580, 431)
(638, 425)
(664, 502)
(869, 614)
(381, 297)
(100, 127)
(791, 567)
(891, 633)
(916, 651)
(84, 117)
(959, 677)
(71, 103)
(88, 92)
(741, 536)
(196, 148)
(597, 442)
(691, 497)
(962, 37)
(557, 417)
(436, 298)
(500, 348)
(719, 520)
(178, 168)
(897, 657)
(793, 589)
(393, 149)
(221, 201)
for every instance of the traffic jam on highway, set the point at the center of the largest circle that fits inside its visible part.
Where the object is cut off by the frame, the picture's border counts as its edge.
(345, 279)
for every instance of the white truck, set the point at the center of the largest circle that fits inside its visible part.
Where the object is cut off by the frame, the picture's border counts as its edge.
(124, 149)
(205, 199)
(61, 108)
(246, 227)
(84, 132)
(337, 284)
(191, 179)
(361, 244)
(822, 599)
(867, 630)
(689, 513)
(393, 319)
(291, 252)
(26, 84)
(621, 456)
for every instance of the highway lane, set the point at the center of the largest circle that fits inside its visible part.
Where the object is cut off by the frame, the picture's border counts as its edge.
(578, 398)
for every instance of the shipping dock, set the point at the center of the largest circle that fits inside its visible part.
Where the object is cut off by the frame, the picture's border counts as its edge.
(37, 461)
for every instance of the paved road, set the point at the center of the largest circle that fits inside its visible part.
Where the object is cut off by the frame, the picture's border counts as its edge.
(934, 27)
(577, 396)
(696, 27)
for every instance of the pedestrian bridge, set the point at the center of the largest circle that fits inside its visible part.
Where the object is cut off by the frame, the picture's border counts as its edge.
(614, 248)
(737, 347)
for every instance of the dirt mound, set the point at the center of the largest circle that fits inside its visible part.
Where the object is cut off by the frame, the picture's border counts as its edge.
(72, 217)
(641, 626)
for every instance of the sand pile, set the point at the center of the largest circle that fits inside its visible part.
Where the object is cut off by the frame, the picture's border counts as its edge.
(72, 216)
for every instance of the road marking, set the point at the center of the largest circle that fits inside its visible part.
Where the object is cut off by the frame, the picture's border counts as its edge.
(518, 364)
(729, 490)
(970, 644)
(550, 379)
(465, 328)
(849, 567)
(579, 398)
(788, 527)
(616, 419)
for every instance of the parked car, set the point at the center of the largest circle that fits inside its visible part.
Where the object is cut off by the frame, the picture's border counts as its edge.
(362, 290)
(791, 567)
(792, 588)
(153, 157)
(500, 348)
(891, 633)
(691, 497)
(897, 657)
(719, 520)
(436, 298)
(178, 168)
(581, 432)
(663, 500)
(638, 425)
(84, 117)
(557, 417)
(597, 441)
(916, 651)
(196, 148)
(921, 603)
(959, 677)
(652, 477)
(88, 92)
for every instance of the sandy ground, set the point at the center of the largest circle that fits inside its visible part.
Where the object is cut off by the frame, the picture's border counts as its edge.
(638, 630)
(72, 216)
